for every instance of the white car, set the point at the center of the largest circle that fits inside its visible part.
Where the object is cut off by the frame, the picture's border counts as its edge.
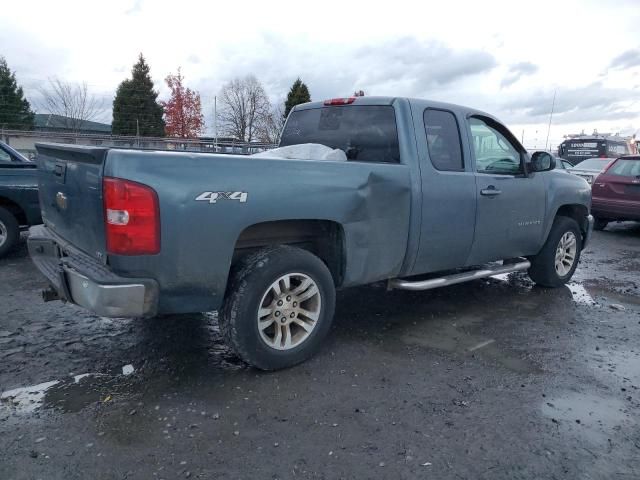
(590, 168)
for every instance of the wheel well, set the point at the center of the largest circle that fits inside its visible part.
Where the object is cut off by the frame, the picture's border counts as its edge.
(323, 238)
(15, 209)
(578, 212)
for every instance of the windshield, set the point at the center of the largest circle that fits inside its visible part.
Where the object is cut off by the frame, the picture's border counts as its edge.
(593, 164)
(365, 133)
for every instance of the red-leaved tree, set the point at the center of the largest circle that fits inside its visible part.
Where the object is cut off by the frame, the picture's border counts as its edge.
(182, 112)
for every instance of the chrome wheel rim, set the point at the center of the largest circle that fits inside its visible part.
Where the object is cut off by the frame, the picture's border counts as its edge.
(3, 233)
(566, 253)
(289, 311)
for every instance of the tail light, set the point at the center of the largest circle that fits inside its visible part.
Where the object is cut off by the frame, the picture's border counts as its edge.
(132, 217)
(340, 101)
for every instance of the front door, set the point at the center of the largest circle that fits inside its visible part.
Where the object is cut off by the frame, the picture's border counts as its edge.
(510, 203)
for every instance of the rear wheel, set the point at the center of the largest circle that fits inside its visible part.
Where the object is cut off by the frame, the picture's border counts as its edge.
(600, 223)
(555, 264)
(9, 231)
(278, 308)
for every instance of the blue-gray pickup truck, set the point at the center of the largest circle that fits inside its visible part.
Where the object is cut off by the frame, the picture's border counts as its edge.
(19, 205)
(427, 194)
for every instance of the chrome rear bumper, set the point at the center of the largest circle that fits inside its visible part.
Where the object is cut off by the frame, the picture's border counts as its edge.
(77, 278)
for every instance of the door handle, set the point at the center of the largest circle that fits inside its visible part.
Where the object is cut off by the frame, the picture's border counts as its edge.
(490, 191)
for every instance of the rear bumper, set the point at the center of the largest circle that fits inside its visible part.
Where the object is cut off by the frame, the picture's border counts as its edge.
(80, 279)
(616, 209)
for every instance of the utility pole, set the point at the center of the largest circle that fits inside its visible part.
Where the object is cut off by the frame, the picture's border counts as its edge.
(215, 123)
(553, 104)
(138, 131)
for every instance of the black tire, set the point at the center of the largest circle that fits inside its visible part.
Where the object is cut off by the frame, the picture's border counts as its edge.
(9, 226)
(600, 223)
(543, 265)
(249, 281)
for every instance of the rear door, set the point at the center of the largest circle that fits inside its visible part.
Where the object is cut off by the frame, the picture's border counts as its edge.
(618, 189)
(70, 183)
(448, 191)
(511, 204)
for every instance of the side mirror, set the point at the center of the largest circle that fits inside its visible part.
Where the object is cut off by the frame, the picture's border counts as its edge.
(542, 162)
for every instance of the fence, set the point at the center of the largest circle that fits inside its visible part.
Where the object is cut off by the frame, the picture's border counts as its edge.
(24, 142)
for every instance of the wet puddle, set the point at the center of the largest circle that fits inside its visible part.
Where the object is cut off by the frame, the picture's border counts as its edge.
(68, 394)
(623, 364)
(452, 337)
(580, 295)
(593, 416)
(25, 400)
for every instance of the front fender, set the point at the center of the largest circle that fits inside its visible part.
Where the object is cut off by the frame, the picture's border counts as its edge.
(569, 195)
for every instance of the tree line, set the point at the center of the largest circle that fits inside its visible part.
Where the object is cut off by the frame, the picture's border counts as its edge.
(245, 112)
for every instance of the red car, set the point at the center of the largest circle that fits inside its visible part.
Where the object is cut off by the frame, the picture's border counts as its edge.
(616, 192)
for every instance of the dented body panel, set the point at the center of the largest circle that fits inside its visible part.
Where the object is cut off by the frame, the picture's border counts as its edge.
(369, 201)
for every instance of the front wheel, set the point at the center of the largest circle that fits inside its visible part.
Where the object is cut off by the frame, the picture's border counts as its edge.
(278, 308)
(555, 264)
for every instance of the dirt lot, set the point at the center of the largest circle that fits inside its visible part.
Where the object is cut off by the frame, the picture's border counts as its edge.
(492, 379)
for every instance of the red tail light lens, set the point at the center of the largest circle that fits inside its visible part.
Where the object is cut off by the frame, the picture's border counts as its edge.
(340, 101)
(132, 217)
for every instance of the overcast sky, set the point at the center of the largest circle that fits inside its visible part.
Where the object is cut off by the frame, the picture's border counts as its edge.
(503, 57)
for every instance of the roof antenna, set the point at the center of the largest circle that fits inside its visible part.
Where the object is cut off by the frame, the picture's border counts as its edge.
(553, 104)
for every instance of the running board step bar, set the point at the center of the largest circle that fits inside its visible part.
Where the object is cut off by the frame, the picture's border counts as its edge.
(403, 284)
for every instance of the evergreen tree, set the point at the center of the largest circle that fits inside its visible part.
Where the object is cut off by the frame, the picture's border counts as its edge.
(299, 93)
(135, 108)
(15, 111)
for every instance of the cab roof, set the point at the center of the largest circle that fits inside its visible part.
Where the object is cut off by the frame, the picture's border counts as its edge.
(415, 102)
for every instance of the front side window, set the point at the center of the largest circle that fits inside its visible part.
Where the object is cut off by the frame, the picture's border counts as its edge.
(495, 154)
(443, 140)
(365, 133)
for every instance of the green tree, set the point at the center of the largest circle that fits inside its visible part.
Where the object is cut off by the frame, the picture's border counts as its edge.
(299, 93)
(15, 110)
(135, 108)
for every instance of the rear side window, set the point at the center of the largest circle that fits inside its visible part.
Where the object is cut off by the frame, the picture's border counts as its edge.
(366, 133)
(625, 167)
(443, 140)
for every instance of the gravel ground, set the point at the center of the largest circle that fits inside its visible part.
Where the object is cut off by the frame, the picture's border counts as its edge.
(487, 380)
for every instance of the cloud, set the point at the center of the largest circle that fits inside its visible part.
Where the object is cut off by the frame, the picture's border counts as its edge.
(418, 64)
(402, 66)
(516, 71)
(136, 7)
(628, 59)
(582, 104)
(193, 59)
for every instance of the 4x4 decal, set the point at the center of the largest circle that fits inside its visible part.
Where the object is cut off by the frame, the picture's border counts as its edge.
(213, 197)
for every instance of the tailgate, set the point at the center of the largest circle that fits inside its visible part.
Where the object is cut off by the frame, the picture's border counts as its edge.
(70, 184)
